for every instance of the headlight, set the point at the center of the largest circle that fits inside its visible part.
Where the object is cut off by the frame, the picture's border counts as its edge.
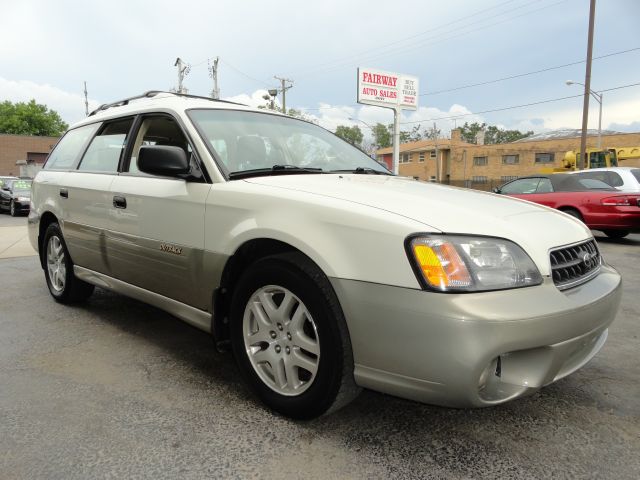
(456, 263)
(22, 199)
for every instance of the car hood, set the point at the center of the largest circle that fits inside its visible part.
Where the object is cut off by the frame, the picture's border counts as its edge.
(444, 209)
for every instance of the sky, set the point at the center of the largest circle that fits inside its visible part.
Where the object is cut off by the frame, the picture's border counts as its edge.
(123, 48)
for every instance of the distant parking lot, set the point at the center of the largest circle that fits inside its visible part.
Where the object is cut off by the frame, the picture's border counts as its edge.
(115, 388)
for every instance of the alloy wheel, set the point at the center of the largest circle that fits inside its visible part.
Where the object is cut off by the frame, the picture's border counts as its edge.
(281, 340)
(56, 266)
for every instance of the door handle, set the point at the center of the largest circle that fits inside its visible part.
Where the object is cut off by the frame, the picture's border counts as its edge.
(64, 193)
(119, 202)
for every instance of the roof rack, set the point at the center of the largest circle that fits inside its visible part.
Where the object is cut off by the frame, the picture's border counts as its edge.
(153, 93)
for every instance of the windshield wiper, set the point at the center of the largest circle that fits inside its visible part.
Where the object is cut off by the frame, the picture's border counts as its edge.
(273, 170)
(363, 171)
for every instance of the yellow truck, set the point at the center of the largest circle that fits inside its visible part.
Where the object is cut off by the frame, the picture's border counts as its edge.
(596, 158)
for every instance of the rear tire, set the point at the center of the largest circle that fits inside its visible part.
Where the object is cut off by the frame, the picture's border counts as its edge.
(12, 209)
(616, 234)
(574, 213)
(63, 285)
(290, 338)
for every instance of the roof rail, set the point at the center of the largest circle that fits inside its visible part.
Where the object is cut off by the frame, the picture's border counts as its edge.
(153, 93)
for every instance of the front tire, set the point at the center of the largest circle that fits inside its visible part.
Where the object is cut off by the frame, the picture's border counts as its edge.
(290, 338)
(616, 234)
(12, 209)
(63, 285)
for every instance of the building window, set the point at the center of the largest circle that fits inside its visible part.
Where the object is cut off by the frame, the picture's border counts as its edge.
(405, 157)
(479, 179)
(432, 154)
(480, 161)
(421, 157)
(510, 159)
(545, 158)
(508, 178)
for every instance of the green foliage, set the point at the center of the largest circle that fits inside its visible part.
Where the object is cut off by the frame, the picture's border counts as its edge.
(382, 135)
(30, 119)
(353, 135)
(492, 133)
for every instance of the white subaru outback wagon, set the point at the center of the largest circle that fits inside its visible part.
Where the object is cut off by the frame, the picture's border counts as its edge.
(323, 271)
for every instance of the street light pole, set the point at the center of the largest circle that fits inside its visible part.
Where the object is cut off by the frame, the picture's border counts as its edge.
(598, 97)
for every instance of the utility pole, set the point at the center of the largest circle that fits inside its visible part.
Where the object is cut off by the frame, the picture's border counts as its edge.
(183, 71)
(283, 89)
(86, 101)
(435, 137)
(213, 73)
(587, 90)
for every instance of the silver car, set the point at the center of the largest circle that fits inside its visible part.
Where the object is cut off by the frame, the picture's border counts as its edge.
(323, 271)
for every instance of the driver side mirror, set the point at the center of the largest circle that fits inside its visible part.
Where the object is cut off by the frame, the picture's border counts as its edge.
(496, 190)
(163, 160)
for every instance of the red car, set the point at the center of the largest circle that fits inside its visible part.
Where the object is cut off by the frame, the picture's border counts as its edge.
(597, 204)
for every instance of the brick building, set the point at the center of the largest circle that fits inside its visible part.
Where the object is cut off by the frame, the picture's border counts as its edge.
(24, 151)
(486, 166)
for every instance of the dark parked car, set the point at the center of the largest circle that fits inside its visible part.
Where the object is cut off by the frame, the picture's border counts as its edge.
(15, 196)
(598, 205)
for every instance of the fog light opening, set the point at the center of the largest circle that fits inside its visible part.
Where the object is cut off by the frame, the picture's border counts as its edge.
(494, 369)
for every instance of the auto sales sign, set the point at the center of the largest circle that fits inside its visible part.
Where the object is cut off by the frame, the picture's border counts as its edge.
(386, 89)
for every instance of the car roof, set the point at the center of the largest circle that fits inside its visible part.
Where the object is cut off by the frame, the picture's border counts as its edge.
(155, 100)
(605, 169)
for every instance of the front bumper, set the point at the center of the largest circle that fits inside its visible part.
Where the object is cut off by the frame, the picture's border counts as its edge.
(22, 206)
(444, 348)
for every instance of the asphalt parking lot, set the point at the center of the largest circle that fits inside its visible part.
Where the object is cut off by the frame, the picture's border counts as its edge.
(117, 389)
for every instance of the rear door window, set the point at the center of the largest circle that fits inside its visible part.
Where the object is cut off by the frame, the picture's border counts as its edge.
(70, 147)
(105, 150)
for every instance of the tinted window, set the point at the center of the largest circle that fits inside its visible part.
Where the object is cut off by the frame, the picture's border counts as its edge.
(544, 186)
(70, 147)
(593, 184)
(105, 150)
(636, 173)
(523, 185)
(611, 178)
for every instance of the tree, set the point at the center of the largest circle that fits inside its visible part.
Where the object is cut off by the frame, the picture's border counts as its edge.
(382, 136)
(492, 133)
(30, 119)
(353, 135)
(469, 131)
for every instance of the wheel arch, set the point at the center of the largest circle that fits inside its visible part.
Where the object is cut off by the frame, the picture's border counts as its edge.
(247, 253)
(46, 219)
(575, 208)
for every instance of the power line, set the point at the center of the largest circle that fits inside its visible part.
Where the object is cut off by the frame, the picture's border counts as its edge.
(357, 55)
(264, 84)
(512, 107)
(500, 79)
(433, 39)
(488, 82)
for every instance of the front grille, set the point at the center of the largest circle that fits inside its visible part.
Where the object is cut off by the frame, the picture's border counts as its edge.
(571, 266)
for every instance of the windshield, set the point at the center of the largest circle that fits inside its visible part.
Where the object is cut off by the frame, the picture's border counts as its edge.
(248, 141)
(21, 186)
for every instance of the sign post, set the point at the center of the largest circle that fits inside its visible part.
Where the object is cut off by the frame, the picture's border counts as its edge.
(389, 90)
